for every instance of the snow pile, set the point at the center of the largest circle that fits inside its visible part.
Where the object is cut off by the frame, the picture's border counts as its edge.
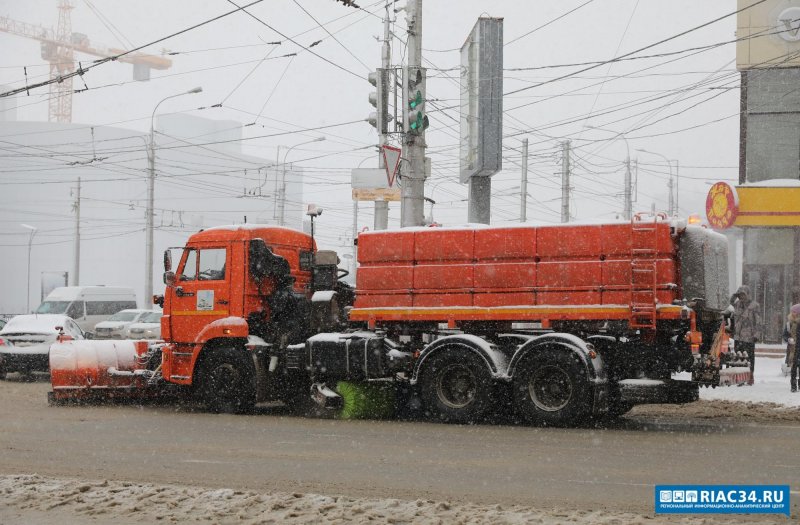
(33, 498)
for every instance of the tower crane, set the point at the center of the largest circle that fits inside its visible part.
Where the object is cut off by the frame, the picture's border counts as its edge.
(58, 48)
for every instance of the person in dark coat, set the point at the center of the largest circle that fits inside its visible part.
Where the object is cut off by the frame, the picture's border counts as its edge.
(794, 358)
(747, 324)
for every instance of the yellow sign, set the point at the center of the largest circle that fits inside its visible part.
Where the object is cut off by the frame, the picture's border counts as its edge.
(721, 206)
(759, 206)
(768, 206)
(376, 194)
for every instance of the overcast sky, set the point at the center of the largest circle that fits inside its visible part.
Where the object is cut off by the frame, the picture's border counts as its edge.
(683, 106)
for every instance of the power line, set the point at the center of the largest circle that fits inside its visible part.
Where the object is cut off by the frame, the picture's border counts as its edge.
(81, 70)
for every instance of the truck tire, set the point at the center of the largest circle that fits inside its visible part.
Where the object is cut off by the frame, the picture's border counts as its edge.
(455, 386)
(225, 382)
(551, 388)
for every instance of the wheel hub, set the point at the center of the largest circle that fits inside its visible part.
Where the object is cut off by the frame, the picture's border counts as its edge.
(456, 386)
(550, 388)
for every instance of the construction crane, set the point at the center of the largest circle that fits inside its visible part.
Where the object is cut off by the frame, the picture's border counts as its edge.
(59, 47)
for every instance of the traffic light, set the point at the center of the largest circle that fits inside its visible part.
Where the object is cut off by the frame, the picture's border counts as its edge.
(379, 99)
(416, 121)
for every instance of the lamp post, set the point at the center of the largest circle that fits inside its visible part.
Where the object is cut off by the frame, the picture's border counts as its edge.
(628, 204)
(151, 179)
(30, 244)
(672, 208)
(282, 197)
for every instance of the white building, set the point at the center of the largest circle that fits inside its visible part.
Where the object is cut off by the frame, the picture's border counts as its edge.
(202, 179)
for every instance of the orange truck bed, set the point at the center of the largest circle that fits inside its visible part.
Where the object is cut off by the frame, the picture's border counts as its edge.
(517, 273)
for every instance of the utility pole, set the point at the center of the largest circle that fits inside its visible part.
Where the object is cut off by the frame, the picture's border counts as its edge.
(626, 210)
(565, 146)
(412, 210)
(382, 206)
(677, 188)
(671, 198)
(76, 262)
(523, 187)
(355, 236)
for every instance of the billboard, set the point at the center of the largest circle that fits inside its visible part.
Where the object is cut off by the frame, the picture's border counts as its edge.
(482, 100)
(768, 34)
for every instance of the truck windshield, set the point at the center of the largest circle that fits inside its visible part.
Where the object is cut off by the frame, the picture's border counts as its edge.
(53, 307)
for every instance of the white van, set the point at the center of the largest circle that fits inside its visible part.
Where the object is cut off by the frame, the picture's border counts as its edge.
(88, 305)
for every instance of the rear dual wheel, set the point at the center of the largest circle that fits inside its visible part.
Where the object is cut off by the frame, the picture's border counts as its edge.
(456, 386)
(551, 388)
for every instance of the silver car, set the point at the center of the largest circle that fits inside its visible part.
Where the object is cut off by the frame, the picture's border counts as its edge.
(148, 327)
(116, 326)
(25, 341)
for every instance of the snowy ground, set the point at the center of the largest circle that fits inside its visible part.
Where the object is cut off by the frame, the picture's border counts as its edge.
(31, 498)
(55, 501)
(770, 386)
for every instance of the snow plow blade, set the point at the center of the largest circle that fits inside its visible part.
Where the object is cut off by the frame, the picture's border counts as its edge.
(85, 370)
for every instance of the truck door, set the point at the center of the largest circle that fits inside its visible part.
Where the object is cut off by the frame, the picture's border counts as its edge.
(202, 292)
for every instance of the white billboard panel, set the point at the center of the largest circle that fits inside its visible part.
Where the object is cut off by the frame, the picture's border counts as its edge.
(482, 100)
(768, 34)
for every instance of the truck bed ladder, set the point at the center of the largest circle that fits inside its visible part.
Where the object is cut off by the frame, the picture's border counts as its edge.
(644, 251)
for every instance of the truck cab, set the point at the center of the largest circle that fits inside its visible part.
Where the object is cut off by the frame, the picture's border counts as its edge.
(213, 280)
(238, 297)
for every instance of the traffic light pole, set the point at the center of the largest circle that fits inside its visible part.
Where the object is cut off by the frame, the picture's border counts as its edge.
(412, 211)
(382, 207)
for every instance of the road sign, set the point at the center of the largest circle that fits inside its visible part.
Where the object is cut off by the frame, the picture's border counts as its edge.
(391, 159)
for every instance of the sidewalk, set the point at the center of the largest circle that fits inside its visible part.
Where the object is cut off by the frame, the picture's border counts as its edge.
(776, 350)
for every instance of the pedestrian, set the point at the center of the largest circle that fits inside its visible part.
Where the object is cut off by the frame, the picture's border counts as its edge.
(746, 325)
(793, 357)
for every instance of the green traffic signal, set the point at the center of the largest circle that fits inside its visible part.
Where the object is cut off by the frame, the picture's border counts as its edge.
(419, 122)
(416, 101)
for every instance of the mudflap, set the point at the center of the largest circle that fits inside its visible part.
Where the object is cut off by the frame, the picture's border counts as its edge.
(600, 397)
(655, 391)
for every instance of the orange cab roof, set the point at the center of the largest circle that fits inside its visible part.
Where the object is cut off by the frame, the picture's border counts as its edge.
(271, 234)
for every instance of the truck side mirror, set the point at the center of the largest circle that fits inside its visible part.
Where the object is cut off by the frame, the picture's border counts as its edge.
(167, 261)
(169, 279)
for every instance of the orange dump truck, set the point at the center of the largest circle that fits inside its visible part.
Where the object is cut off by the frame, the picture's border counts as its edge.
(557, 323)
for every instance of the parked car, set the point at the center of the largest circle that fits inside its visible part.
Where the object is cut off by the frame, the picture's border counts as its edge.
(117, 325)
(148, 327)
(25, 341)
(2, 323)
(88, 305)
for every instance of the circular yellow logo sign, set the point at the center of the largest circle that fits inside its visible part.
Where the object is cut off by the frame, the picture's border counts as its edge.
(722, 205)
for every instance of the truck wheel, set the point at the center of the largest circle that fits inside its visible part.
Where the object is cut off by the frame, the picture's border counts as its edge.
(551, 388)
(456, 387)
(225, 382)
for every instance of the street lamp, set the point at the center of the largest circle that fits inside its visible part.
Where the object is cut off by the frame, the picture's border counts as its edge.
(151, 179)
(672, 206)
(626, 210)
(30, 243)
(282, 196)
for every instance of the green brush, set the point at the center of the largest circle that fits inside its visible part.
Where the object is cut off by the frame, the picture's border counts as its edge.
(366, 400)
